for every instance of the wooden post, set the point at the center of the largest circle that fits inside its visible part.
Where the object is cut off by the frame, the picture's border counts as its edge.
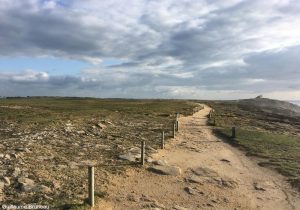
(91, 185)
(233, 132)
(163, 140)
(174, 130)
(142, 152)
(177, 124)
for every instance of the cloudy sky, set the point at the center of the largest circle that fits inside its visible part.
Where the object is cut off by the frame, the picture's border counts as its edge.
(209, 49)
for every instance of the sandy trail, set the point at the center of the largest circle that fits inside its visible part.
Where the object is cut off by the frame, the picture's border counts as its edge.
(235, 181)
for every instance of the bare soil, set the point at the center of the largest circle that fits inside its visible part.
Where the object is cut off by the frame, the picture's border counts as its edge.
(225, 178)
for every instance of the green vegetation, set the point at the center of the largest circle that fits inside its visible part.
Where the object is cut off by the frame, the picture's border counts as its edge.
(63, 132)
(277, 143)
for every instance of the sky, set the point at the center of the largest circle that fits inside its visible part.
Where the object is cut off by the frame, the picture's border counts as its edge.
(189, 49)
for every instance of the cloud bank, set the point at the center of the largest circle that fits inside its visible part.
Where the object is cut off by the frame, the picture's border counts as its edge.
(172, 49)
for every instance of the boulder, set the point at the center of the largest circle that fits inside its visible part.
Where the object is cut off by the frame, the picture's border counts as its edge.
(165, 170)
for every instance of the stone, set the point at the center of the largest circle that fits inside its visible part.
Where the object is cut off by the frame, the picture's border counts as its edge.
(13, 155)
(2, 184)
(190, 190)
(132, 155)
(128, 156)
(257, 186)
(160, 162)
(26, 184)
(165, 170)
(80, 132)
(21, 149)
(73, 165)
(101, 126)
(16, 173)
(135, 150)
(133, 198)
(225, 160)
(196, 179)
(7, 156)
(6, 180)
(205, 172)
(156, 204)
(150, 149)
(42, 189)
(176, 207)
(230, 183)
(149, 159)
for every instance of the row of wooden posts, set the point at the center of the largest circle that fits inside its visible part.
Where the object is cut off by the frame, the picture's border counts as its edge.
(233, 133)
(91, 169)
(175, 129)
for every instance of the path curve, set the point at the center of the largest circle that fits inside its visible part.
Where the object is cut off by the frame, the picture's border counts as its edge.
(228, 179)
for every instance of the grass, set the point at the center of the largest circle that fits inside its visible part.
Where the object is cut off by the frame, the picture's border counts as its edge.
(21, 119)
(276, 143)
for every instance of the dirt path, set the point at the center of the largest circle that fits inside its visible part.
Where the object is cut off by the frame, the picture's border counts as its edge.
(214, 176)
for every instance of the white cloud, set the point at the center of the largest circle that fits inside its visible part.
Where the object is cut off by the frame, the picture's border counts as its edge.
(201, 46)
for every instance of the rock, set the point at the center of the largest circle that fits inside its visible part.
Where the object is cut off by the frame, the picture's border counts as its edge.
(56, 184)
(81, 132)
(6, 181)
(73, 165)
(20, 149)
(101, 126)
(3, 172)
(128, 156)
(26, 184)
(227, 182)
(132, 155)
(13, 155)
(196, 179)
(165, 170)
(1, 191)
(257, 186)
(149, 159)
(135, 150)
(42, 189)
(160, 162)
(7, 156)
(205, 172)
(16, 173)
(156, 204)
(150, 149)
(190, 190)
(133, 198)
(225, 160)
(176, 207)
(1, 155)
(2, 184)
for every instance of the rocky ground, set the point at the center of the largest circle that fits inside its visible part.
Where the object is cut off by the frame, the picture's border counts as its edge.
(48, 164)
